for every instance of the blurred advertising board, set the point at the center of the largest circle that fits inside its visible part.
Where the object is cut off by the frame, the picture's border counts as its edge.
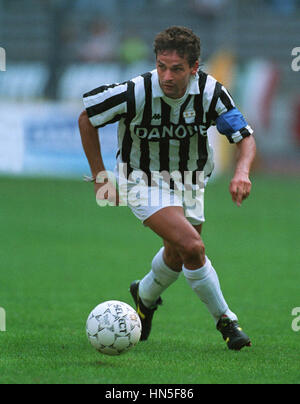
(43, 139)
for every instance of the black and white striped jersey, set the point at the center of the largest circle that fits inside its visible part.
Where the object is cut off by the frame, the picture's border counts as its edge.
(157, 133)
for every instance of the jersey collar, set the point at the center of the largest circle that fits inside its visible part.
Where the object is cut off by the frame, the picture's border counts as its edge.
(158, 92)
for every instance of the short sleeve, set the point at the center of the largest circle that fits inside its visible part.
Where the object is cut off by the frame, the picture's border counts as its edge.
(106, 104)
(223, 112)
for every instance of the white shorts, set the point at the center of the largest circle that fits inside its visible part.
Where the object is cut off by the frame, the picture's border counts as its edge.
(144, 200)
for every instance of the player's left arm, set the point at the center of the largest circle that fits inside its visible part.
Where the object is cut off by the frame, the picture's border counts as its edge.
(233, 125)
(240, 185)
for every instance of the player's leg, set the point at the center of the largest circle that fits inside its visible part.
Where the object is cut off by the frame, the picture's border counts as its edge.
(205, 283)
(172, 226)
(169, 223)
(166, 265)
(227, 324)
(185, 244)
(179, 235)
(165, 270)
(182, 245)
(171, 257)
(162, 274)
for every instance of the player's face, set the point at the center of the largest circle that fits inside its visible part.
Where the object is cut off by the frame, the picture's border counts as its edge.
(174, 73)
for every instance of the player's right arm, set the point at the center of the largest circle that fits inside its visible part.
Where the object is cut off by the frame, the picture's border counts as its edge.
(103, 105)
(91, 144)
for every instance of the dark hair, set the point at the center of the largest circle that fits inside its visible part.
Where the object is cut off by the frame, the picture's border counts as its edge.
(181, 39)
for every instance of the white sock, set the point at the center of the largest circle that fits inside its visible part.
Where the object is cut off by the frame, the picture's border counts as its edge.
(157, 280)
(204, 281)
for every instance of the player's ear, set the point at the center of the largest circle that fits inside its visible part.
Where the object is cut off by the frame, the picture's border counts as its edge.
(195, 68)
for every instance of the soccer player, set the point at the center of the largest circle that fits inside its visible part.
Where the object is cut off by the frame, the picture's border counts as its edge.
(163, 119)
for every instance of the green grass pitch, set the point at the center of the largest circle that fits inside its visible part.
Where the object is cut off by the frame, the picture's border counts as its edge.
(61, 255)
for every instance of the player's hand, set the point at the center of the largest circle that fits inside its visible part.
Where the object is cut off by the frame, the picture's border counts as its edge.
(106, 191)
(240, 187)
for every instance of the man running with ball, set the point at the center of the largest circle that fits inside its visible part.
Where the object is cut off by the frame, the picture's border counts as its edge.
(163, 119)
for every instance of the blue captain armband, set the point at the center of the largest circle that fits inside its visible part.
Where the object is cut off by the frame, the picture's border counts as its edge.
(233, 125)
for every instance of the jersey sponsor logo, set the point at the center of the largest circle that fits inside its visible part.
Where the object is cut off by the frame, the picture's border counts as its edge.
(189, 114)
(172, 131)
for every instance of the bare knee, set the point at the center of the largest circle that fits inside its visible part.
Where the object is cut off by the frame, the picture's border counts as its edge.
(172, 259)
(192, 252)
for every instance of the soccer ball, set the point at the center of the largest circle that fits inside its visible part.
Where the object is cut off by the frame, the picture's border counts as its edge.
(113, 327)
